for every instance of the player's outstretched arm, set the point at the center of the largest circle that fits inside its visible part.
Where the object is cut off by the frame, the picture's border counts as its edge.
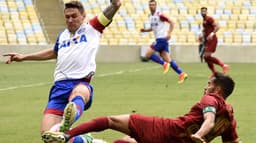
(13, 57)
(111, 10)
(105, 18)
(146, 30)
(207, 125)
(42, 55)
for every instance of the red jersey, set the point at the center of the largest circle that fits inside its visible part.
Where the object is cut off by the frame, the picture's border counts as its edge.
(208, 25)
(225, 123)
(178, 130)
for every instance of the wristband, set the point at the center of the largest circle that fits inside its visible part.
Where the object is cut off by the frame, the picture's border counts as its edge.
(212, 33)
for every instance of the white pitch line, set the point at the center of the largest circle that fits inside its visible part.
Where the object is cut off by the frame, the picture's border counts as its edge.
(100, 75)
(24, 86)
(129, 71)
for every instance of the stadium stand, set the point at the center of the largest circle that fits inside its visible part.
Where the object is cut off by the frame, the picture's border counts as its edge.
(20, 23)
(236, 18)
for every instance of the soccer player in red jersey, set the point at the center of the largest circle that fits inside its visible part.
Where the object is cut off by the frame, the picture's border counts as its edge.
(210, 27)
(212, 116)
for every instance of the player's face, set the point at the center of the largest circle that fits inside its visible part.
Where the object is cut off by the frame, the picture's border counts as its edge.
(210, 87)
(73, 19)
(152, 7)
(203, 12)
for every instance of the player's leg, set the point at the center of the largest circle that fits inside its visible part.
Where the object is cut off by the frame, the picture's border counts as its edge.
(80, 96)
(161, 45)
(213, 60)
(165, 54)
(53, 112)
(216, 61)
(166, 57)
(80, 100)
(150, 54)
(57, 107)
(207, 59)
(173, 64)
(182, 75)
(48, 121)
(118, 123)
(211, 48)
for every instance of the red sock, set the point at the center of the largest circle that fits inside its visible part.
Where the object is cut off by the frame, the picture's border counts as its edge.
(216, 61)
(98, 124)
(210, 64)
(120, 141)
(211, 67)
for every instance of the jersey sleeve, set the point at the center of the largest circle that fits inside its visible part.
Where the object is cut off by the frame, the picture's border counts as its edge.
(208, 100)
(163, 17)
(100, 22)
(210, 20)
(57, 43)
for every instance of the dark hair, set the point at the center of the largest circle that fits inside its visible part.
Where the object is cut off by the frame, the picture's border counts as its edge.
(203, 8)
(152, 1)
(225, 82)
(75, 4)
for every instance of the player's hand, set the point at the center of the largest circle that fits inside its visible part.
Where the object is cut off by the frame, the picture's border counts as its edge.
(13, 57)
(197, 138)
(210, 36)
(116, 2)
(142, 30)
(168, 37)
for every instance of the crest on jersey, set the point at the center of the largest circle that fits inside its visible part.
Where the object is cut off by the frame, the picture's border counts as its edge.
(81, 31)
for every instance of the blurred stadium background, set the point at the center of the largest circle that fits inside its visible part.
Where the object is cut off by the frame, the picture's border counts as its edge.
(28, 25)
(31, 25)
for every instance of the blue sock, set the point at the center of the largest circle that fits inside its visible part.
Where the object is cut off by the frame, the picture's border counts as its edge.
(78, 139)
(81, 139)
(157, 59)
(78, 100)
(175, 67)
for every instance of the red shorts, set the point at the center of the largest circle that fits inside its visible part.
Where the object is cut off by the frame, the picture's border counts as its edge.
(210, 46)
(147, 129)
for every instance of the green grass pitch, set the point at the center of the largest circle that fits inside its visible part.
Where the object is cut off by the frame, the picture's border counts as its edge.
(119, 88)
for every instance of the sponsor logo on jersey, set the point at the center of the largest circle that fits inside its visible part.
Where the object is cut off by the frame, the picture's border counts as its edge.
(75, 40)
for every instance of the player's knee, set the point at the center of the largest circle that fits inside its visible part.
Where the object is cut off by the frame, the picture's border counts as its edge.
(147, 56)
(115, 122)
(112, 121)
(84, 97)
(81, 90)
(207, 57)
